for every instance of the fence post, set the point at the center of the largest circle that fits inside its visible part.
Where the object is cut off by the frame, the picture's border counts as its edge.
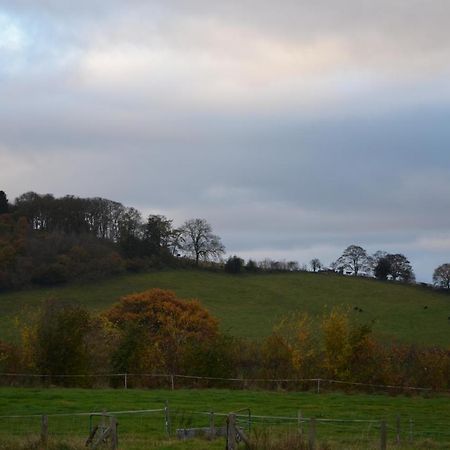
(383, 435)
(398, 427)
(300, 422)
(212, 428)
(231, 433)
(125, 381)
(410, 431)
(114, 436)
(167, 418)
(44, 430)
(318, 385)
(172, 382)
(312, 434)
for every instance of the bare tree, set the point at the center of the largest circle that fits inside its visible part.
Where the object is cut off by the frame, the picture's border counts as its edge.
(355, 259)
(441, 276)
(199, 240)
(315, 264)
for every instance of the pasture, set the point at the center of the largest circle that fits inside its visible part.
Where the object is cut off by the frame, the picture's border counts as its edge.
(249, 305)
(354, 419)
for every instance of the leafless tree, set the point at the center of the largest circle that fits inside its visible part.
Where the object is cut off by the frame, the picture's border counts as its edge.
(199, 240)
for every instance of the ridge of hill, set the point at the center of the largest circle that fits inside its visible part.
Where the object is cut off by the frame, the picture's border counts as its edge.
(249, 305)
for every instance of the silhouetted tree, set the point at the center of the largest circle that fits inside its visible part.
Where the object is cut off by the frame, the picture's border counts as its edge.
(157, 234)
(234, 264)
(199, 240)
(315, 264)
(355, 259)
(4, 205)
(251, 266)
(441, 276)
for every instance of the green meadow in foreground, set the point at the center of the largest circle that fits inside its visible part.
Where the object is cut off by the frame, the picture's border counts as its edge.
(249, 305)
(422, 419)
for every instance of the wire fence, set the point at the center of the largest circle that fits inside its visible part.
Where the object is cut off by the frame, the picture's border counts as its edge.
(142, 428)
(175, 381)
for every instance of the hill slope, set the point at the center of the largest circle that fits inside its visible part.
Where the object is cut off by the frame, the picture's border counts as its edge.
(249, 305)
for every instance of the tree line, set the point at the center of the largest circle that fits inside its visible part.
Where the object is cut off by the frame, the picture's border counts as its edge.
(156, 332)
(49, 240)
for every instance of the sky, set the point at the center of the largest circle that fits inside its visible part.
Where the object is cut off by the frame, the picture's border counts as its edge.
(296, 128)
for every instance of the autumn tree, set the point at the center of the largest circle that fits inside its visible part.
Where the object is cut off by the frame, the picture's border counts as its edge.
(199, 240)
(355, 259)
(54, 341)
(156, 327)
(441, 276)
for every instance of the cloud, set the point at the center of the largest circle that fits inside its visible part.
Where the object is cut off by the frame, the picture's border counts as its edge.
(294, 128)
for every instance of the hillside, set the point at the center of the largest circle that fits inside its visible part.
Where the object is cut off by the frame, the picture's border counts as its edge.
(249, 305)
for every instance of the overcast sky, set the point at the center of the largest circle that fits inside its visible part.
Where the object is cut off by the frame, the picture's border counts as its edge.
(294, 127)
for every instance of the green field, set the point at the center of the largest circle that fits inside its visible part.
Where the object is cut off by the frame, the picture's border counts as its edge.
(249, 305)
(422, 419)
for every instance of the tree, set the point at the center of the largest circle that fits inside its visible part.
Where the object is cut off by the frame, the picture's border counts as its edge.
(441, 276)
(234, 264)
(382, 269)
(400, 267)
(395, 265)
(157, 235)
(157, 327)
(199, 240)
(315, 264)
(56, 340)
(251, 266)
(4, 205)
(355, 259)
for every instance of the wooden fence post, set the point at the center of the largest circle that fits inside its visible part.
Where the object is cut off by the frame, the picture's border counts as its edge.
(167, 418)
(212, 428)
(231, 433)
(44, 430)
(114, 436)
(312, 434)
(172, 382)
(383, 436)
(125, 381)
(300, 422)
(398, 427)
(318, 385)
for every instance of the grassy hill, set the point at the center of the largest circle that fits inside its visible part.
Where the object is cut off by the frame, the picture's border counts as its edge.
(249, 305)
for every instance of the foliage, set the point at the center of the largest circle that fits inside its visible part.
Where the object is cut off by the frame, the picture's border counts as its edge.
(234, 264)
(441, 276)
(354, 259)
(55, 340)
(315, 264)
(156, 327)
(4, 204)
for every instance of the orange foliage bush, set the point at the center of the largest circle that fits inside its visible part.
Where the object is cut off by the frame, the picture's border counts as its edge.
(157, 328)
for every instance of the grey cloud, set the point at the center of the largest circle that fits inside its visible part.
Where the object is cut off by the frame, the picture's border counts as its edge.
(293, 127)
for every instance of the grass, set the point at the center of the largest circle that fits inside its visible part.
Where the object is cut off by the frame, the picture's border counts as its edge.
(141, 431)
(249, 305)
